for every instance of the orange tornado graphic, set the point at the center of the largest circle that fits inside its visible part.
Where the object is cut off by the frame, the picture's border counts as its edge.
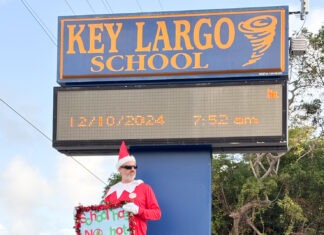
(260, 31)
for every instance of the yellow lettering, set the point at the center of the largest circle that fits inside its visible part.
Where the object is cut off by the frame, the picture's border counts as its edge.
(182, 33)
(165, 62)
(131, 61)
(113, 35)
(231, 33)
(207, 37)
(97, 61)
(93, 38)
(143, 62)
(162, 34)
(174, 63)
(140, 46)
(197, 60)
(75, 38)
(110, 66)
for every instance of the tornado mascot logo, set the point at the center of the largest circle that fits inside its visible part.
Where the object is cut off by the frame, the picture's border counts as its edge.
(260, 31)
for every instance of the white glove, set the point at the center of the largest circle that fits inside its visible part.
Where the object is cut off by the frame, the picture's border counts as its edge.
(131, 207)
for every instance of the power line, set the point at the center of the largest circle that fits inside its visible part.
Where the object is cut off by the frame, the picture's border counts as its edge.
(139, 5)
(40, 22)
(106, 3)
(161, 6)
(84, 167)
(48, 138)
(67, 3)
(53, 40)
(92, 9)
(26, 120)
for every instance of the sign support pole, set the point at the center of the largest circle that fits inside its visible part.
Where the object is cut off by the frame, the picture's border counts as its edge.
(181, 180)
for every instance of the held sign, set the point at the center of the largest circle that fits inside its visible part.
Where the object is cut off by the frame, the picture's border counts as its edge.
(173, 45)
(102, 220)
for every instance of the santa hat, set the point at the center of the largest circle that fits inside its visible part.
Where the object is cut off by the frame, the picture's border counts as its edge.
(124, 155)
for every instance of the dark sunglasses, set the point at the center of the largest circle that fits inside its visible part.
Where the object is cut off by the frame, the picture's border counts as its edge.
(129, 167)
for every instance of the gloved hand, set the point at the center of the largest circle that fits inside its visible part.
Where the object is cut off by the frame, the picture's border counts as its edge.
(131, 207)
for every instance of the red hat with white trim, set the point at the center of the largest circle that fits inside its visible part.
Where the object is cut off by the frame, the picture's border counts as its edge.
(124, 156)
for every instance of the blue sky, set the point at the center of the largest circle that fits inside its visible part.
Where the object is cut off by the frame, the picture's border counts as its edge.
(39, 187)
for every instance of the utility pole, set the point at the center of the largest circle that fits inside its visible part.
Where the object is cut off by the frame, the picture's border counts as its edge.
(304, 8)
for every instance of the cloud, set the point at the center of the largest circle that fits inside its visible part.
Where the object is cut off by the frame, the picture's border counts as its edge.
(23, 190)
(3, 230)
(315, 20)
(23, 186)
(38, 204)
(72, 178)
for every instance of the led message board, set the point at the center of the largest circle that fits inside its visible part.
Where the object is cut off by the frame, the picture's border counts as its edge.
(228, 117)
(173, 45)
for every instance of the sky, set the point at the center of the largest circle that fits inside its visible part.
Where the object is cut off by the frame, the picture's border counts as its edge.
(39, 187)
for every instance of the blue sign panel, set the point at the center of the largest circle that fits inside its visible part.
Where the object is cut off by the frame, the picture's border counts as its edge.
(184, 198)
(173, 45)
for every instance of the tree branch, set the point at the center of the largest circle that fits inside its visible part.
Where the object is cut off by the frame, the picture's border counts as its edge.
(242, 212)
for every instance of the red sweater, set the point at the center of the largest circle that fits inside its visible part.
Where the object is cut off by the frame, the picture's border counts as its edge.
(144, 197)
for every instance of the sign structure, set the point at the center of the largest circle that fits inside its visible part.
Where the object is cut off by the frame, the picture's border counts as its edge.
(228, 117)
(212, 44)
(101, 220)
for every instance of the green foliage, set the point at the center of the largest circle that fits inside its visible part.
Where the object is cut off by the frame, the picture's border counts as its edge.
(312, 107)
(228, 178)
(303, 180)
(292, 214)
(299, 140)
(296, 192)
(113, 179)
(256, 189)
(306, 84)
(317, 41)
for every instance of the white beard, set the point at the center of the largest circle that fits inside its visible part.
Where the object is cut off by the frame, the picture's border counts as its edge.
(129, 178)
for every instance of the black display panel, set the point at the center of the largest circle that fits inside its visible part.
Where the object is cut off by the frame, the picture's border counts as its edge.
(229, 117)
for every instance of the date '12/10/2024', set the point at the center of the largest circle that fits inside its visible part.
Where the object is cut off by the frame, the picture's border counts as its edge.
(106, 121)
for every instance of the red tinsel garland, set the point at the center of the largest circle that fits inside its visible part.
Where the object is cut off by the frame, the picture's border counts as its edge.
(80, 209)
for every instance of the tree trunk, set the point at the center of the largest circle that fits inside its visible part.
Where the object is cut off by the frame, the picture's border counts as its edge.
(242, 212)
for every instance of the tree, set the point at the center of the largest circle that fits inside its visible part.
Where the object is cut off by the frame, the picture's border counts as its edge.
(287, 201)
(278, 195)
(302, 177)
(306, 84)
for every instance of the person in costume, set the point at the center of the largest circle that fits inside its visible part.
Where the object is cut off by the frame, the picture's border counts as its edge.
(140, 197)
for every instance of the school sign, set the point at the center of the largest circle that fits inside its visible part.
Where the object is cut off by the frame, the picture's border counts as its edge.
(191, 45)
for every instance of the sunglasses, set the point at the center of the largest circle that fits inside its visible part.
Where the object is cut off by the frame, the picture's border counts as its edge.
(128, 167)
